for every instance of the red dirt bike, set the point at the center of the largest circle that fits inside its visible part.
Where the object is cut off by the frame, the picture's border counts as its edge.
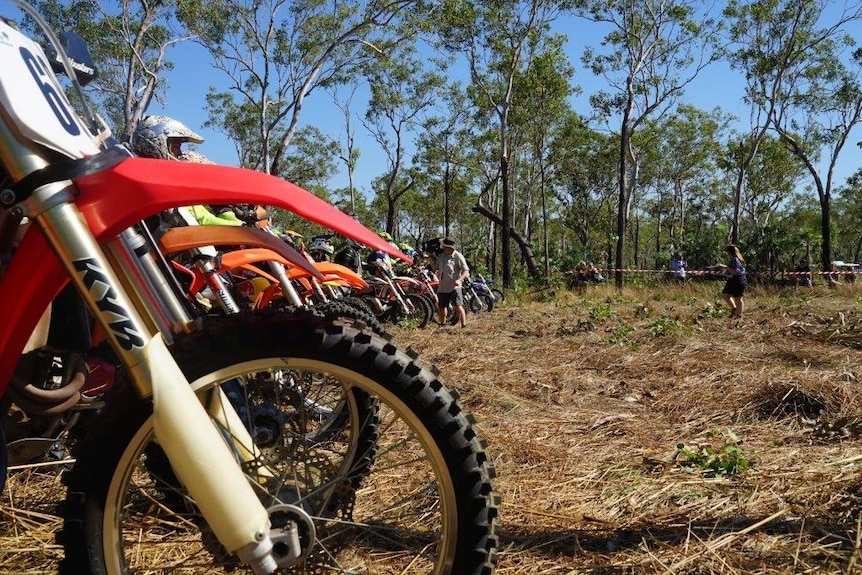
(169, 475)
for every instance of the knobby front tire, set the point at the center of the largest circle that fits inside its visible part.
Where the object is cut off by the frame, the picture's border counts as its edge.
(420, 312)
(400, 485)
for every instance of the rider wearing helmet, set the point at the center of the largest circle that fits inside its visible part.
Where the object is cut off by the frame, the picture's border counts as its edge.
(162, 138)
(349, 256)
(400, 267)
(379, 261)
(320, 249)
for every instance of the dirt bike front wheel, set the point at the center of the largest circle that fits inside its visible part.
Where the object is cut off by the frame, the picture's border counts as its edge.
(398, 483)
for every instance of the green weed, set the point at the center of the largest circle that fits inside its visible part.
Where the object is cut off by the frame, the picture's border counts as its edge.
(728, 460)
(601, 312)
(621, 333)
(664, 326)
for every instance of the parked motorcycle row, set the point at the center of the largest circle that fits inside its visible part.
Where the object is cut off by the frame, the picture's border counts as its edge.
(222, 402)
(407, 294)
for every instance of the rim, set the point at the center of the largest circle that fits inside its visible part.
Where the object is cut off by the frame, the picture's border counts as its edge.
(402, 516)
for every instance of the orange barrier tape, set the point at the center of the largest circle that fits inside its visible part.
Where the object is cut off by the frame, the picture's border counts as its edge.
(716, 272)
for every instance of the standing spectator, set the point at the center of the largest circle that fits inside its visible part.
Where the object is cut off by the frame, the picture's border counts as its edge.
(582, 274)
(452, 270)
(737, 281)
(833, 276)
(803, 273)
(678, 265)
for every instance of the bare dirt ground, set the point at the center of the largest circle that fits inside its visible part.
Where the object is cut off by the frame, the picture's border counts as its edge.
(636, 431)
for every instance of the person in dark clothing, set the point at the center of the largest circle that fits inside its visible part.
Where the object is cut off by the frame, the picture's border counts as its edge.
(737, 281)
(349, 257)
(803, 273)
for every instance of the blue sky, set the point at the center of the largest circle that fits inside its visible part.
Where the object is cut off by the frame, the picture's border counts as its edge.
(717, 86)
(193, 74)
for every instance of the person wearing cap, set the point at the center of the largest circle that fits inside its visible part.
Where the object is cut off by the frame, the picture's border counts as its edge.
(452, 270)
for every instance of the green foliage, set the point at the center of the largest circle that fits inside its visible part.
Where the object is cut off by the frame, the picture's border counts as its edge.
(664, 326)
(130, 43)
(601, 312)
(621, 334)
(309, 161)
(728, 460)
(581, 327)
(545, 295)
(791, 298)
(713, 309)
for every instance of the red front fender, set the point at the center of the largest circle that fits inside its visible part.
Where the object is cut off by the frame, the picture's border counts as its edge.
(142, 187)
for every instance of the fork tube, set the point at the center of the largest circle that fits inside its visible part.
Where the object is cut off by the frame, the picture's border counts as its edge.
(122, 258)
(196, 451)
(132, 251)
(217, 285)
(286, 286)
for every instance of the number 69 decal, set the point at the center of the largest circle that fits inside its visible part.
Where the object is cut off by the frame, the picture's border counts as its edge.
(44, 78)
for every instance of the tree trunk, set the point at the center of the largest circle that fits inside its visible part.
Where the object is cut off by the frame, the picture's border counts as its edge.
(506, 222)
(826, 229)
(526, 250)
(545, 239)
(447, 186)
(624, 195)
(390, 216)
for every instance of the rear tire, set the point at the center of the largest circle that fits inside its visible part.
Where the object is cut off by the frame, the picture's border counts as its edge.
(426, 504)
(474, 303)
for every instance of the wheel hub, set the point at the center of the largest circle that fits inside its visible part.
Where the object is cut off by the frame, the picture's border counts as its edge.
(292, 534)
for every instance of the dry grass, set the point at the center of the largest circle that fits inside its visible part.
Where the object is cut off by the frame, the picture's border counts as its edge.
(28, 522)
(584, 399)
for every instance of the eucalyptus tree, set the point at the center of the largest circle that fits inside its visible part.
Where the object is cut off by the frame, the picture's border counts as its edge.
(499, 39)
(848, 218)
(403, 93)
(418, 216)
(657, 48)
(793, 53)
(444, 153)
(684, 150)
(584, 182)
(310, 160)
(773, 177)
(400, 223)
(275, 53)
(798, 228)
(130, 42)
(350, 153)
(542, 91)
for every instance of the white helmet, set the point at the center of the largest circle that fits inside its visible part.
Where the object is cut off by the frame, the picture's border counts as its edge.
(194, 158)
(321, 245)
(162, 137)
